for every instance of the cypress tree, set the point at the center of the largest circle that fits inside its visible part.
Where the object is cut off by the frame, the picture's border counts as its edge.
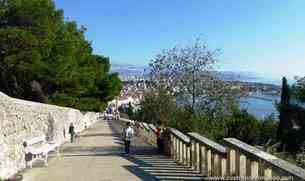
(130, 111)
(285, 124)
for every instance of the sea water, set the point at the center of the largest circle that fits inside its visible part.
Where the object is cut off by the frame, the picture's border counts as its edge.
(260, 108)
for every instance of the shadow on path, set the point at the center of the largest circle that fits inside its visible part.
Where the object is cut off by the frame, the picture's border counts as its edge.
(152, 166)
(146, 163)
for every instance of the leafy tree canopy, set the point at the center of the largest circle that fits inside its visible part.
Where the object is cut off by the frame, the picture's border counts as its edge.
(44, 58)
(157, 106)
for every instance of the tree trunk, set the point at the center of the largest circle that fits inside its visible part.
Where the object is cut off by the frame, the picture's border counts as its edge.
(193, 92)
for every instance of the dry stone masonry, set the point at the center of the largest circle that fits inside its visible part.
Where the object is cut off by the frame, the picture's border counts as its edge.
(21, 120)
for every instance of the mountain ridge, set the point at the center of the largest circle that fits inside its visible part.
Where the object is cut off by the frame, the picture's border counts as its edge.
(131, 71)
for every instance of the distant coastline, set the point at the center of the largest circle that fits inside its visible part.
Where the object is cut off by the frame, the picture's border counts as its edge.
(262, 92)
(130, 71)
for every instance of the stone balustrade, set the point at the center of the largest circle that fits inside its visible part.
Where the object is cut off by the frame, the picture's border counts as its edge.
(180, 149)
(236, 158)
(145, 125)
(246, 160)
(207, 156)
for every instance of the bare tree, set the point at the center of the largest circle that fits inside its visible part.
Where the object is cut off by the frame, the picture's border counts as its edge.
(189, 71)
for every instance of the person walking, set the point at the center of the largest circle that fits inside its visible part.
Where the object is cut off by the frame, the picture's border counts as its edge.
(71, 132)
(128, 133)
(159, 134)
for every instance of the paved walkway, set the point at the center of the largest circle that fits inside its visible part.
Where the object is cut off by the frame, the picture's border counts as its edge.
(98, 156)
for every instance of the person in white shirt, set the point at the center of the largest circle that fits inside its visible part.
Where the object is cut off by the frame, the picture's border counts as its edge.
(128, 133)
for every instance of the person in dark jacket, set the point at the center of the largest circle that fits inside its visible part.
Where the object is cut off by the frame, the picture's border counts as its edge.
(159, 134)
(71, 132)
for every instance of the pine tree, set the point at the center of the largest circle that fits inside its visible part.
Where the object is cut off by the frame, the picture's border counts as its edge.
(46, 59)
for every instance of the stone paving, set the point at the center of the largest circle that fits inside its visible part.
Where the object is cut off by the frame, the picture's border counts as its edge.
(97, 155)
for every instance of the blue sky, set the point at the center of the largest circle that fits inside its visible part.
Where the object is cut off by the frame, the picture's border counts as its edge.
(263, 36)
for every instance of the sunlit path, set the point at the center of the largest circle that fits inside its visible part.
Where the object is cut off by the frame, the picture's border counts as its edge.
(98, 155)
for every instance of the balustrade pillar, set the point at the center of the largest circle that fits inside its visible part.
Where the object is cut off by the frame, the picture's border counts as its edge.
(267, 171)
(232, 162)
(175, 148)
(188, 148)
(172, 146)
(193, 155)
(216, 165)
(184, 154)
(203, 160)
(254, 169)
(180, 151)
(209, 162)
(197, 160)
(223, 166)
(242, 165)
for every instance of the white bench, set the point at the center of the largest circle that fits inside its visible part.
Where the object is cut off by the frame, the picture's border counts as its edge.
(38, 148)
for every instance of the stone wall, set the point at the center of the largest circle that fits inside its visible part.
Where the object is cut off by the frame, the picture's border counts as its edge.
(22, 120)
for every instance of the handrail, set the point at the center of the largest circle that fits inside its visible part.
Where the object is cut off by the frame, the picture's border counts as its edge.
(126, 120)
(141, 124)
(152, 127)
(272, 160)
(180, 135)
(215, 146)
(236, 158)
(146, 126)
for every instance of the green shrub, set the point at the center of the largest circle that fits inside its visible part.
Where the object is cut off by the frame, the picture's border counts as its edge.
(268, 128)
(243, 126)
(183, 119)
